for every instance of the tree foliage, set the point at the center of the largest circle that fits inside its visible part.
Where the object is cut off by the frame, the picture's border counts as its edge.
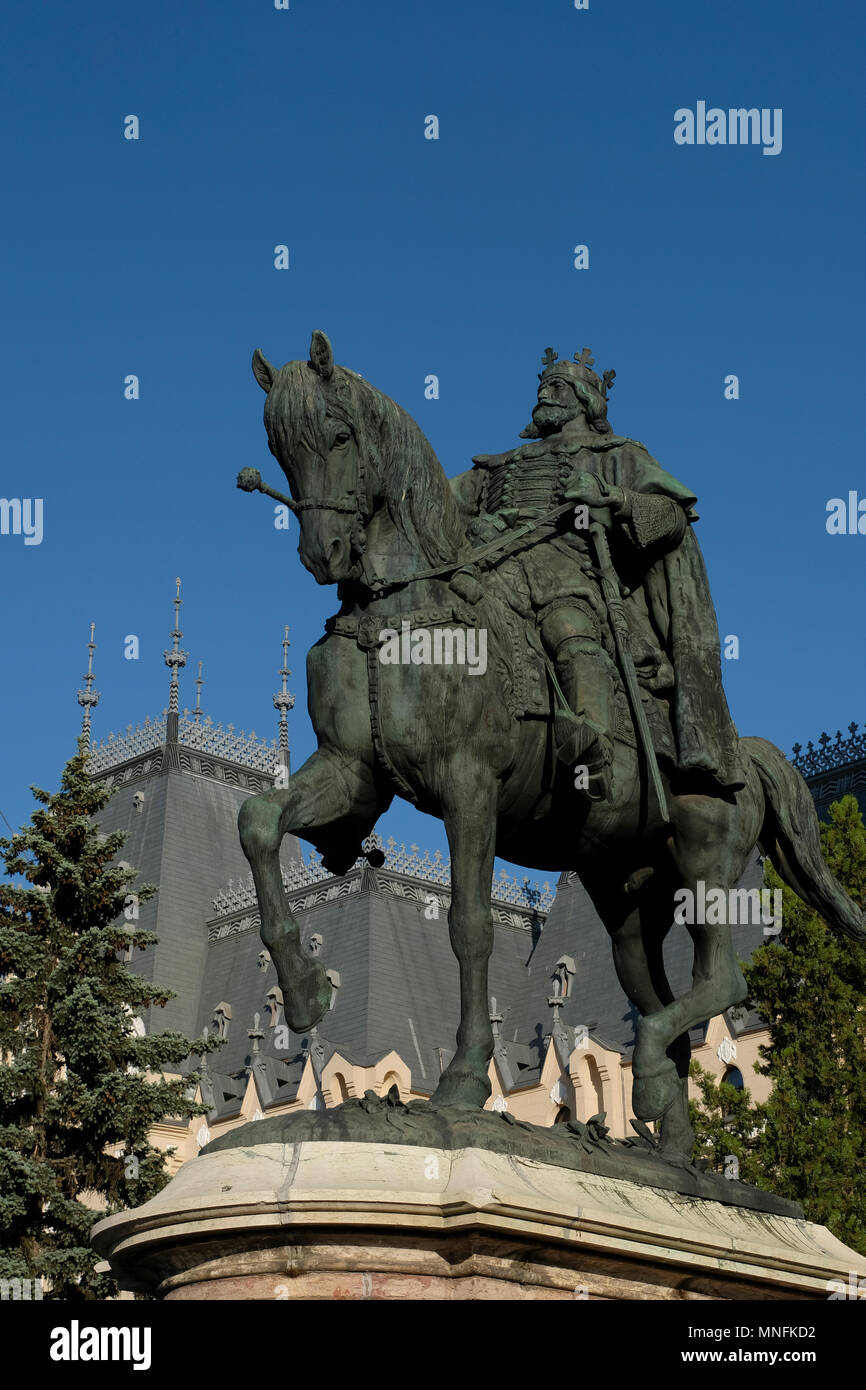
(808, 1140)
(79, 1090)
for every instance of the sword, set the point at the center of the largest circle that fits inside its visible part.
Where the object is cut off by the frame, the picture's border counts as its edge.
(619, 626)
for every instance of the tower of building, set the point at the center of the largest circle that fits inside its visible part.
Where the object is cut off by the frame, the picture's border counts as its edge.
(180, 780)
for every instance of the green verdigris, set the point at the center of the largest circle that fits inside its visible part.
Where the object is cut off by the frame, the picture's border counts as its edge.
(596, 738)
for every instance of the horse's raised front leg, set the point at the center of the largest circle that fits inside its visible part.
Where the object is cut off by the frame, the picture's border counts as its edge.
(332, 802)
(469, 812)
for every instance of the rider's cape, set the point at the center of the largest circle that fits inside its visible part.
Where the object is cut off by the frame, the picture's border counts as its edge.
(673, 590)
(677, 593)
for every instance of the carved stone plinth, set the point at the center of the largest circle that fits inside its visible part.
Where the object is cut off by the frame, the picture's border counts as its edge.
(342, 1219)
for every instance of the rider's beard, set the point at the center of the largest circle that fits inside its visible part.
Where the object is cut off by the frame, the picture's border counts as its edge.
(546, 419)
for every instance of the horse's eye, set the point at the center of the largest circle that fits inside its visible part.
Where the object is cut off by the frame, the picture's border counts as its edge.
(342, 438)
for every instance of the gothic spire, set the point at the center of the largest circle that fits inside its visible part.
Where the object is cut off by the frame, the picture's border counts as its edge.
(283, 702)
(174, 659)
(198, 685)
(88, 698)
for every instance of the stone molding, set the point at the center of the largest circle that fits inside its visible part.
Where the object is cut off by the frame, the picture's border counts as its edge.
(355, 1220)
(224, 745)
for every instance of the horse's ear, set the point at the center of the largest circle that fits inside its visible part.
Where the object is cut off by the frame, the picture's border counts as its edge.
(321, 355)
(263, 372)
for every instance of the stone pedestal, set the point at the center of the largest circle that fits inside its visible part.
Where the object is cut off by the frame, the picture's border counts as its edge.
(323, 1220)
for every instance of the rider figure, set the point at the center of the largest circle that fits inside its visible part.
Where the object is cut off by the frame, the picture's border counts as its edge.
(575, 456)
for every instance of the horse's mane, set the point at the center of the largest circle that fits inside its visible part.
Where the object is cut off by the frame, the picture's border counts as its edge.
(412, 480)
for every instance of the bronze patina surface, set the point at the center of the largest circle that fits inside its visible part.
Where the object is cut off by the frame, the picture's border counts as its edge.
(596, 738)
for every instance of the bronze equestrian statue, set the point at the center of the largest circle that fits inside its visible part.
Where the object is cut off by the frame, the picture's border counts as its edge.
(597, 738)
(669, 611)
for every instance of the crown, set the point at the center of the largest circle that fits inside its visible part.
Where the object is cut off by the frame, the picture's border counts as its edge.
(578, 370)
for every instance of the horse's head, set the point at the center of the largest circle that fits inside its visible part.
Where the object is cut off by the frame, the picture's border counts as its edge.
(312, 434)
(347, 452)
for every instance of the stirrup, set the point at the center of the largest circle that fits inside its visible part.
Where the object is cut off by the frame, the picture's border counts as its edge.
(600, 778)
(582, 737)
(576, 736)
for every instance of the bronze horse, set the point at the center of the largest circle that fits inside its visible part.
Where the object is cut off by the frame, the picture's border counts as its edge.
(378, 518)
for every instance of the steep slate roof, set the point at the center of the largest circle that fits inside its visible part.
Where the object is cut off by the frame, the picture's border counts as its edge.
(596, 999)
(179, 806)
(399, 988)
(398, 981)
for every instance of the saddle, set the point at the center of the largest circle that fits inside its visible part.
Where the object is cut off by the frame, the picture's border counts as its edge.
(516, 653)
(524, 668)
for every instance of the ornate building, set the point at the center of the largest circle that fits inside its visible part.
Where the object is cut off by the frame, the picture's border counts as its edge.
(564, 1031)
(835, 768)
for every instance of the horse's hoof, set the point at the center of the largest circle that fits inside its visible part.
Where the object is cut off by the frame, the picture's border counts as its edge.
(677, 1138)
(650, 1057)
(307, 998)
(651, 1096)
(463, 1089)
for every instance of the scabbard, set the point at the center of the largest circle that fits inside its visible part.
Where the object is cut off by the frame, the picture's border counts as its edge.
(619, 627)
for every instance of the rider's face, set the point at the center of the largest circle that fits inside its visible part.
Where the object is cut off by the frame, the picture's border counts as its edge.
(557, 404)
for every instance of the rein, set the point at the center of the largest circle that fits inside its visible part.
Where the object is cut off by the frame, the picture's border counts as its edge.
(503, 545)
(324, 504)
(250, 480)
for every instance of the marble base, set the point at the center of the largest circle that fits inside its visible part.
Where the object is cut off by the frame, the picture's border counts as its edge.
(359, 1221)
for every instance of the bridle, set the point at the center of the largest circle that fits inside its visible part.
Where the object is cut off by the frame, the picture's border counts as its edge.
(322, 504)
(250, 480)
(356, 506)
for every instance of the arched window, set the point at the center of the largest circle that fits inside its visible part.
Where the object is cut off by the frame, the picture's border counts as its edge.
(597, 1084)
(339, 1089)
(734, 1077)
(392, 1079)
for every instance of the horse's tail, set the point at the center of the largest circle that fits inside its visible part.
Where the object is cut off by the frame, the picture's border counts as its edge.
(791, 837)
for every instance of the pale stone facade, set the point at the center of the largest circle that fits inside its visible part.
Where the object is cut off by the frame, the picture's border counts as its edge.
(591, 1080)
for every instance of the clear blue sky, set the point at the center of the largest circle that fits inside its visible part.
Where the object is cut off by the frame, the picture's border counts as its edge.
(306, 127)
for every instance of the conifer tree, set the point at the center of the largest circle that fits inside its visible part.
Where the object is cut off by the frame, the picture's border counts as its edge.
(808, 1140)
(79, 1090)
(727, 1125)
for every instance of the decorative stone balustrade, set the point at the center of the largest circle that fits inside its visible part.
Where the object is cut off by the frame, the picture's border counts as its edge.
(246, 749)
(410, 863)
(120, 748)
(830, 754)
(205, 737)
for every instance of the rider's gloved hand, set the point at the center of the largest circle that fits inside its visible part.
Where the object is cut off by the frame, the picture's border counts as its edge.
(590, 491)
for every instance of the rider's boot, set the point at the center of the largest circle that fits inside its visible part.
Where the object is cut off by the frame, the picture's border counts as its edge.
(582, 733)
